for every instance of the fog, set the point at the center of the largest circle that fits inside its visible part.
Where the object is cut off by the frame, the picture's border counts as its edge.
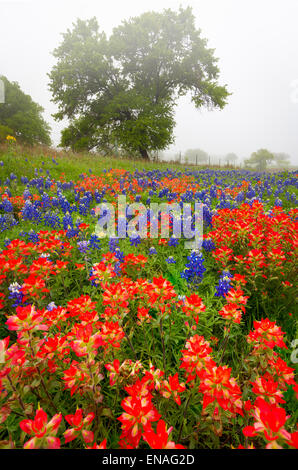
(256, 43)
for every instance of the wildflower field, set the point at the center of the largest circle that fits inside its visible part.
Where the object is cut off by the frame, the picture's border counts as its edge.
(140, 342)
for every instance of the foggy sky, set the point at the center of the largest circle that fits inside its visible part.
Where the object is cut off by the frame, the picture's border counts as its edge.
(256, 43)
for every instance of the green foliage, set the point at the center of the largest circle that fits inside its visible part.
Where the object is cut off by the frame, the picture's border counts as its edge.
(23, 116)
(259, 159)
(121, 91)
(4, 132)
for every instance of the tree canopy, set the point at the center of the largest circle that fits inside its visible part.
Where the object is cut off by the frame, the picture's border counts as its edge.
(23, 116)
(196, 156)
(122, 89)
(259, 159)
(282, 160)
(230, 158)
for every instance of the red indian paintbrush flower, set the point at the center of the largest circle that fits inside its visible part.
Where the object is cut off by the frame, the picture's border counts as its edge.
(79, 425)
(269, 422)
(196, 356)
(193, 306)
(138, 412)
(43, 432)
(267, 388)
(26, 319)
(172, 387)
(160, 439)
(231, 312)
(220, 388)
(266, 335)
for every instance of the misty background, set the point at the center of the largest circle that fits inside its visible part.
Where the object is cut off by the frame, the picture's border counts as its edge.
(256, 43)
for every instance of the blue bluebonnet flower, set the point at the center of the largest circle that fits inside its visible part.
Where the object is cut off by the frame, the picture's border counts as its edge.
(278, 202)
(51, 220)
(16, 294)
(83, 246)
(33, 236)
(31, 211)
(22, 234)
(170, 260)
(67, 222)
(94, 242)
(45, 255)
(46, 201)
(7, 241)
(113, 244)
(135, 240)
(119, 254)
(224, 284)
(71, 232)
(51, 306)
(208, 244)
(27, 194)
(194, 269)
(7, 221)
(152, 251)
(117, 268)
(7, 205)
(173, 241)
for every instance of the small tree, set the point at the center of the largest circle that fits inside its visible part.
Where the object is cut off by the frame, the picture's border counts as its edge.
(230, 158)
(282, 160)
(259, 160)
(125, 87)
(21, 114)
(196, 156)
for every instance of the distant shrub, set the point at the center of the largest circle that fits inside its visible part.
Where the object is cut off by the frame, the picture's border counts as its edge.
(4, 132)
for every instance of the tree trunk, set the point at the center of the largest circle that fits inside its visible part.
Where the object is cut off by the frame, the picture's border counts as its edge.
(144, 153)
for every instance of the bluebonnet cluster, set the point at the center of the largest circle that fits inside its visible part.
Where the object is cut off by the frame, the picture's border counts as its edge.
(33, 237)
(113, 244)
(114, 248)
(173, 241)
(27, 194)
(83, 246)
(135, 240)
(224, 284)
(208, 244)
(278, 202)
(7, 221)
(207, 215)
(152, 251)
(51, 306)
(31, 211)
(170, 260)
(16, 294)
(194, 269)
(6, 205)
(51, 219)
(94, 242)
